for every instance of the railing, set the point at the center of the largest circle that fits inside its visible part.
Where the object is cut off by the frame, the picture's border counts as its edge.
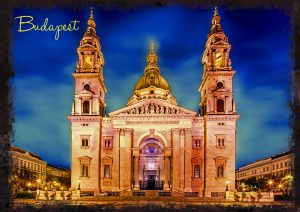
(151, 185)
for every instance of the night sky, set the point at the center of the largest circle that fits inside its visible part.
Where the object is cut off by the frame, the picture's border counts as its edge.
(44, 86)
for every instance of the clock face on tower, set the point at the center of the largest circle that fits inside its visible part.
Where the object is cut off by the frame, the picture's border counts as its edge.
(219, 59)
(88, 62)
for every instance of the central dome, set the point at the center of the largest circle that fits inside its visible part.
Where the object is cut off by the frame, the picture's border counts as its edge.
(152, 79)
(152, 84)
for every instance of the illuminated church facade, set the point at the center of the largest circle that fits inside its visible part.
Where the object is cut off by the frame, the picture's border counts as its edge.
(153, 143)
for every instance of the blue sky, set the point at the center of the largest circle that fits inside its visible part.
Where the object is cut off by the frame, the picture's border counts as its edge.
(260, 54)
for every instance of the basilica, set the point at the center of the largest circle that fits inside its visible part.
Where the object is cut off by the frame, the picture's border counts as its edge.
(152, 143)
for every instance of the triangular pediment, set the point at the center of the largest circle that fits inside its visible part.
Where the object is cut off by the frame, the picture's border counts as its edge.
(86, 93)
(152, 107)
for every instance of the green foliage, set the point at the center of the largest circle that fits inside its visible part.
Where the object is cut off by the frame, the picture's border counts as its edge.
(26, 195)
(60, 182)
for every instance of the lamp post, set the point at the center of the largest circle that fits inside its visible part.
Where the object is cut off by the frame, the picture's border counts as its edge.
(29, 185)
(280, 187)
(39, 181)
(270, 182)
(227, 182)
(78, 184)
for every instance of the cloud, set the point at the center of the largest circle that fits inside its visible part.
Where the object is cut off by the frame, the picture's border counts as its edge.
(263, 126)
(41, 125)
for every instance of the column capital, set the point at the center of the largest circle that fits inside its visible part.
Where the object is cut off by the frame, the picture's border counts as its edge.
(135, 152)
(188, 131)
(117, 131)
(168, 152)
(175, 130)
(128, 130)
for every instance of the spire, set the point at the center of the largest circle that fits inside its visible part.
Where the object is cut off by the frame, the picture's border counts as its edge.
(216, 26)
(216, 11)
(91, 29)
(91, 13)
(91, 22)
(152, 58)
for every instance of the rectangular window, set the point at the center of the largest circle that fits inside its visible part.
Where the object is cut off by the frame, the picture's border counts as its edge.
(84, 170)
(197, 171)
(285, 164)
(197, 143)
(108, 142)
(106, 171)
(220, 141)
(281, 165)
(220, 171)
(84, 142)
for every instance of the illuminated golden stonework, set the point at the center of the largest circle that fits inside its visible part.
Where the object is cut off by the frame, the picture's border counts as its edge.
(152, 84)
(153, 143)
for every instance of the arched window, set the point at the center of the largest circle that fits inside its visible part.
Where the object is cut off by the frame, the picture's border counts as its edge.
(220, 105)
(196, 171)
(86, 107)
(106, 171)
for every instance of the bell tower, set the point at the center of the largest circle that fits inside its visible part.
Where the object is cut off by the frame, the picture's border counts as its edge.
(217, 107)
(88, 111)
(216, 87)
(90, 89)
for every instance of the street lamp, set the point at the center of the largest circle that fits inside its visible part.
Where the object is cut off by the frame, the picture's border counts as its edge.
(280, 187)
(227, 182)
(78, 184)
(39, 181)
(270, 182)
(29, 184)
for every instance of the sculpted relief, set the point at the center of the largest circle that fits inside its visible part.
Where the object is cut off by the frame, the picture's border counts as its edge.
(153, 109)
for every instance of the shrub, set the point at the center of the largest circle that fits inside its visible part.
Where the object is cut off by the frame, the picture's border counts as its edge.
(62, 194)
(26, 195)
(259, 195)
(46, 195)
(243, 195)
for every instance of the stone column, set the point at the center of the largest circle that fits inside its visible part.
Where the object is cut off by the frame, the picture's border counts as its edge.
(167, 169)
(187, 161)
(128, 157)
(90, 106)
(136, 168)
(181, 160)
(122, 167)
(175, 170)
(116, 161)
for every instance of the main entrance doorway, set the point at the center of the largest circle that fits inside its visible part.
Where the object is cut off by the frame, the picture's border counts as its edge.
(151, 165)
(151, 182)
